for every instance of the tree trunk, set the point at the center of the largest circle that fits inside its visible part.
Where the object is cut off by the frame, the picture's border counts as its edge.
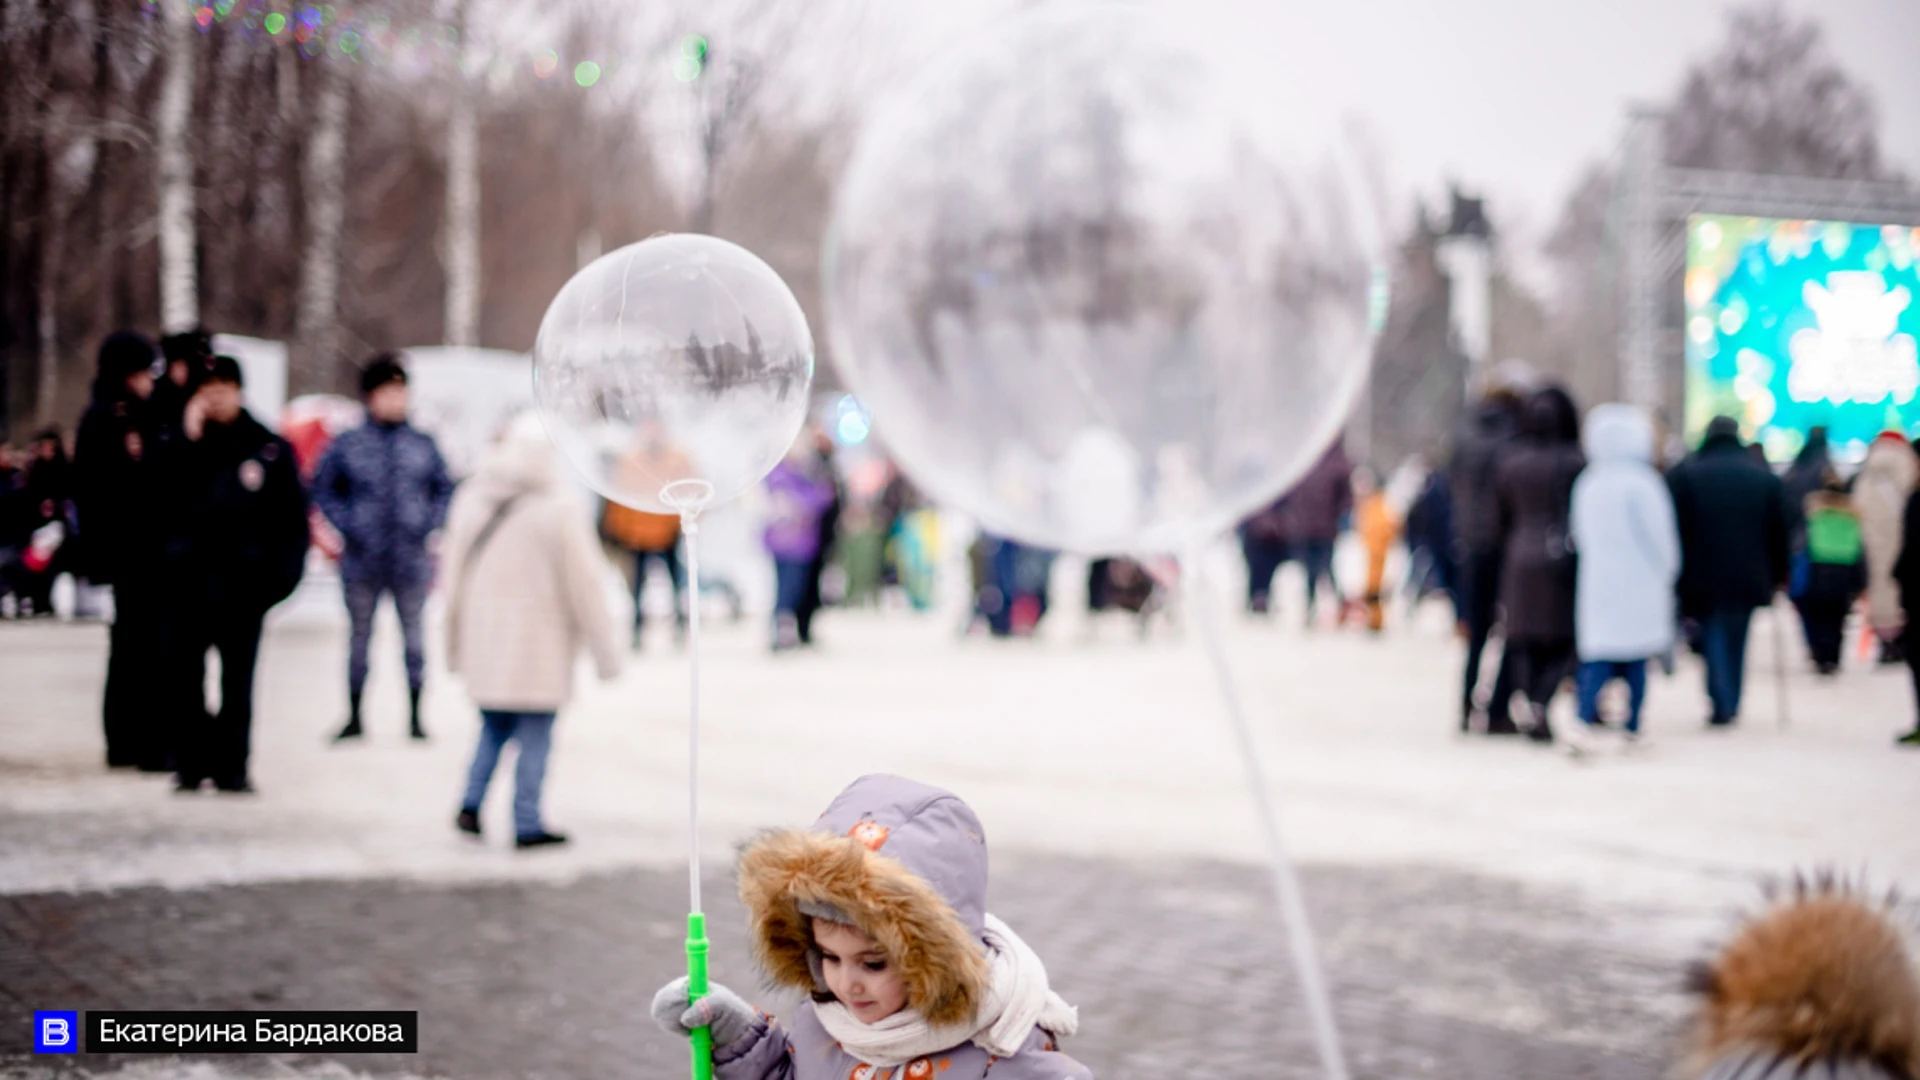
(103, 241)
(52, 242)
(43, 224)
(317, 324)
(179, 291)
(463, 207)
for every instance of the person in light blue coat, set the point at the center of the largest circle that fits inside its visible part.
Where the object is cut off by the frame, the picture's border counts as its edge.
(1629, 558)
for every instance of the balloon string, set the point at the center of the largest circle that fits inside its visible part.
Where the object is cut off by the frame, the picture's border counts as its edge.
(1293, 908)
(690, 527)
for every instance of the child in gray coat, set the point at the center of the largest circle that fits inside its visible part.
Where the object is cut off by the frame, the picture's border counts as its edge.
(879, 914)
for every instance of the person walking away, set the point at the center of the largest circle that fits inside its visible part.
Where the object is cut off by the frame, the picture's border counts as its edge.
(1316, 508)
(1379, 529)
(829, 528)
(1807, 475)
(648, 538)
(1430, 544)
(524, 599)
(1880, 491)
(384, 488)
(653, 464)
(1628, 547)
(1538, 577)
(1264, 544)
(1488, 436)
(1732, 516)
(235, 539)
(1834, 571)
(798, 496)
(119, 547)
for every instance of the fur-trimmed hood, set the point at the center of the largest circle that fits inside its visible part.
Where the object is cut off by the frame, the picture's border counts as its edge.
(904, 862)
(1819, 981)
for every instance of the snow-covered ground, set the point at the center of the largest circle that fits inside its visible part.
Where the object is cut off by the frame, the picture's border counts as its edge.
(1093, 744)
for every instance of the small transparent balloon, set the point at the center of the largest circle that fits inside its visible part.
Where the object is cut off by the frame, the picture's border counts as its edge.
(1094, 291)
(673, 373)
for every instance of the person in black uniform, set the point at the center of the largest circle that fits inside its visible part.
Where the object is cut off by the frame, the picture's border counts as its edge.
(235, 544)
(112, 493)
(187, 355)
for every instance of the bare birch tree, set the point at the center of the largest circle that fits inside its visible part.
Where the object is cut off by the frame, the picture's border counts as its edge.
(317, 324)
(462, 239)
(179, 288)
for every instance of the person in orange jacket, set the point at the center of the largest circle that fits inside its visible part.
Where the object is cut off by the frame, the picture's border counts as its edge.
(1379, 528)
(650, 536)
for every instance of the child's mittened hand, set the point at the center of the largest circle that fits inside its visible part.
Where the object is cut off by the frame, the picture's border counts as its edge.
(721, 1010)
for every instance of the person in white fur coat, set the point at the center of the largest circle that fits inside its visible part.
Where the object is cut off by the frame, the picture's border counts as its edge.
(1880, 491)
(1629, 550)
(523, 576)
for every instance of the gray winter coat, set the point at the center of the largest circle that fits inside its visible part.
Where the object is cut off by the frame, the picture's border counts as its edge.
(927, 837)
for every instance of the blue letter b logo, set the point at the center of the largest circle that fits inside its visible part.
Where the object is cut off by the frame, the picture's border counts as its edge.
(56, 1032)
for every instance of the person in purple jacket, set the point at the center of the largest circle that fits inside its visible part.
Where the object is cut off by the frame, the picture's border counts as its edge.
(800, 493)
(879, 913)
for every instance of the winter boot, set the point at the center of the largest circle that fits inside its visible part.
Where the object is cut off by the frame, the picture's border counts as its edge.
(413, 714)
(352, 730)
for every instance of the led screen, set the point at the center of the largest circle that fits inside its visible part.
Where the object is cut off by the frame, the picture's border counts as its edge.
(1793, 324)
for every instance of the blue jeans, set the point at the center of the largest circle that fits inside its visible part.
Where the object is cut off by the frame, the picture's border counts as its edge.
(1596, 674)
(363, 599)
(1723, 643)
(789, 584)
(534, 732)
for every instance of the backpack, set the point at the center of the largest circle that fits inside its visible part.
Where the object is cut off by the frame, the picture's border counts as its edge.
(1833, 536)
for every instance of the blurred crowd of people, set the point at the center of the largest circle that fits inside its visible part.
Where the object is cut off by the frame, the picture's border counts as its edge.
(1591, 551)
(198, 519)
(1579, 547)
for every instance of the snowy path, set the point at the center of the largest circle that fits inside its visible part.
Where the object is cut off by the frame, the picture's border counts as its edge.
(1110, 748)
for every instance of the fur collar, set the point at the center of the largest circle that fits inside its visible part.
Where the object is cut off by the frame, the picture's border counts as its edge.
(944, 968)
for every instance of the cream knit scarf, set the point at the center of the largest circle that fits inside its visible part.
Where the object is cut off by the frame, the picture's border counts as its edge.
(1018, 999)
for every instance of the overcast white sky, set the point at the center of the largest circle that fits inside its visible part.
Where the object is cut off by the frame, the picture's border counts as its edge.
(1510, 97)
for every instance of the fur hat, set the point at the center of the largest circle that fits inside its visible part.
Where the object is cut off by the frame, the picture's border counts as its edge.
(903, 862)
(1820, 977)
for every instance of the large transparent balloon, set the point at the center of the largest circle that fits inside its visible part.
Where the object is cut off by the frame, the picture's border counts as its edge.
(673, 373)
(1091, 289)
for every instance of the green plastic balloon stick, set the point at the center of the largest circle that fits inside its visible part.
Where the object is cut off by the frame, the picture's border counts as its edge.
(697, 989)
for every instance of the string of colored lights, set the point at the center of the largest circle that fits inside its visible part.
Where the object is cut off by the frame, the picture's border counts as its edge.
(344, 33)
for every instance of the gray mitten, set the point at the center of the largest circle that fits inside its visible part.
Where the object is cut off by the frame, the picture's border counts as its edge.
(721, 1010)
